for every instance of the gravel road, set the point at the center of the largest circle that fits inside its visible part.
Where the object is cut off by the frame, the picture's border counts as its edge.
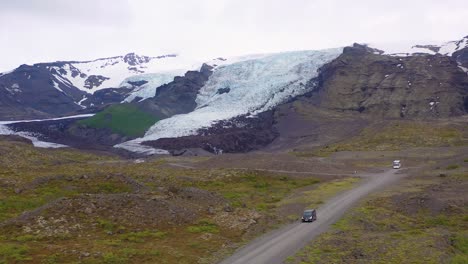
(276, 246)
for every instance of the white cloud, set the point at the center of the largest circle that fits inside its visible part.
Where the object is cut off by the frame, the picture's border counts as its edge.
(47, 30)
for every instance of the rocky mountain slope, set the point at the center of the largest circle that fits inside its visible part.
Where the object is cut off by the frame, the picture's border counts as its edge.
(387, 86)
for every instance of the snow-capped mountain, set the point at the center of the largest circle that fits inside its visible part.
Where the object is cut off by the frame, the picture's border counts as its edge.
(142, 74)
(86, 85)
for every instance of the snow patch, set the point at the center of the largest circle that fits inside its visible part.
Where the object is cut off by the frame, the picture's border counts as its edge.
(15, 88)
(409, 49)
(56, 86)
(82, 100)
(48, 119)
(463, 69)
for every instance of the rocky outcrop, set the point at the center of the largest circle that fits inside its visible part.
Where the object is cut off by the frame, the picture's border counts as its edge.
(178, 96)
(94, 81)
(105, 97)
(461, 56)
(393, 87)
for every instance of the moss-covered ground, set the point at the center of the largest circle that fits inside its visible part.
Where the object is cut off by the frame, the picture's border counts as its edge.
(124, 119)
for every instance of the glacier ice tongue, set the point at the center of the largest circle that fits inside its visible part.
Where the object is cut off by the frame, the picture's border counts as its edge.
(255, 85)
(5, 130)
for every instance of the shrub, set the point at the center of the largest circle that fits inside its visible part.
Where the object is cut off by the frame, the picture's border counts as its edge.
(452, 167)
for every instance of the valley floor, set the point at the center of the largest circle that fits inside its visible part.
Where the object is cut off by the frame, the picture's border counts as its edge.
(70, 206)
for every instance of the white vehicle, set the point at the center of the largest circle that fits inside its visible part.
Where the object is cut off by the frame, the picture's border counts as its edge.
(396, 164)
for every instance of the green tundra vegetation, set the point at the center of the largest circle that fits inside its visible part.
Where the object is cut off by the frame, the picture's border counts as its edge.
(397, 135)
(124, 119)
(65, 206)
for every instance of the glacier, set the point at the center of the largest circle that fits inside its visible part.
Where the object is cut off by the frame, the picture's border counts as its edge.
(256, 85)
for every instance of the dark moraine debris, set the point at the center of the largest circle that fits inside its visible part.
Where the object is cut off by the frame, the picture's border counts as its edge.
(240, 134)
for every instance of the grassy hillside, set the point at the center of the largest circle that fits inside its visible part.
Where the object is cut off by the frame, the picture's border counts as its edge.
(124, 119)
(398, 135)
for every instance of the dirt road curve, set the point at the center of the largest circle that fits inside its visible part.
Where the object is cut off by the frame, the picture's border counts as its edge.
(276, 246)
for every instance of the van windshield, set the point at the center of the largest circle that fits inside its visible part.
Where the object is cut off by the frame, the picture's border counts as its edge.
(308, 213)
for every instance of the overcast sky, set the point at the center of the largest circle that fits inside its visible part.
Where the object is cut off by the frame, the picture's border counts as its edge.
(49, 30)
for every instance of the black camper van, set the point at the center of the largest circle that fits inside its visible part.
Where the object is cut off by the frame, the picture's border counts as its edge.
(309, 215)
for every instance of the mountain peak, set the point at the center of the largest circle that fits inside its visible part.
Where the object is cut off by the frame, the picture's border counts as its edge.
(133, 59)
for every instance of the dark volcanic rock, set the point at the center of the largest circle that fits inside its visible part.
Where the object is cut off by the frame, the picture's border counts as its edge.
(104, 97)
(240, 134)
(178, 96)
(461, 56)
(137, 83)
(224, 90)
(94, 81)
(387, 86)
(133, 59)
